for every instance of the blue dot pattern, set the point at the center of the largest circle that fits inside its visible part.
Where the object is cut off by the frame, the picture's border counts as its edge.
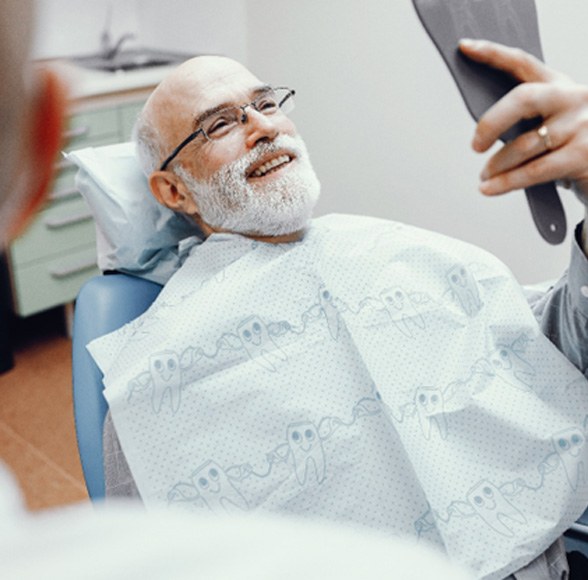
(373, 374)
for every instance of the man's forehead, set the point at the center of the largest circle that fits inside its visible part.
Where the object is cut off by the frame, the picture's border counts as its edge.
(196, 86)
(208, 79)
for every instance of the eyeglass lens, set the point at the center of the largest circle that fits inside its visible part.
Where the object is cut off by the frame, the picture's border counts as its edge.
(223, 122)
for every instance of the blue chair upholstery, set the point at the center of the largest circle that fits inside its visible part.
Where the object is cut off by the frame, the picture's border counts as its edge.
(104, 304)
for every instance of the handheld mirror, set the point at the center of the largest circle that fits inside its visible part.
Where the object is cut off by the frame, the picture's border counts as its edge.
(509, 22)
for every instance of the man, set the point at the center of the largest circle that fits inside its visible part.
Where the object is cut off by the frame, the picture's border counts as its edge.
(277, 220)
(124, 542)
(217, 145)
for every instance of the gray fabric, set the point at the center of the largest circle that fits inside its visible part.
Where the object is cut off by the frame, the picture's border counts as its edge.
(551, 565)
(562, 313)
(118, 479)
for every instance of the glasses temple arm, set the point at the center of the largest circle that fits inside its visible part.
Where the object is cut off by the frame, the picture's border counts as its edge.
(175, 152)
(289, 95)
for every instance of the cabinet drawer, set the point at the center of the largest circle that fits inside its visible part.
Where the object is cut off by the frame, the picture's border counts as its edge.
(63, 226)
(91, 125)
(64, 182)
(44, 285)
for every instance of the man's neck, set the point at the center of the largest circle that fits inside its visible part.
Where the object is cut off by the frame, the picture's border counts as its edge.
(282, 239)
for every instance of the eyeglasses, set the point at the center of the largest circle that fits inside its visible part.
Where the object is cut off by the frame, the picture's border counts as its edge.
(219, 123)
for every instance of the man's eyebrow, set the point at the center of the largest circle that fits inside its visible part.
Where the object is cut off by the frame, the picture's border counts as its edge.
(255, 92)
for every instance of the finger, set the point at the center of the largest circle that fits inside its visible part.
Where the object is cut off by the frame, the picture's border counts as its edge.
(516, 62)
(525, 101)
(541, 169)
(524, 148)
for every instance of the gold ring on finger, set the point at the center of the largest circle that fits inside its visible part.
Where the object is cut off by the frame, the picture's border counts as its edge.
(543, 132)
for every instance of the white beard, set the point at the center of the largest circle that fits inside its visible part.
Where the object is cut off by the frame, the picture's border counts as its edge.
(228, 202)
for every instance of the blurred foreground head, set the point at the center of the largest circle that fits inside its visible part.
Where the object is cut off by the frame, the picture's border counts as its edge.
(32, 102)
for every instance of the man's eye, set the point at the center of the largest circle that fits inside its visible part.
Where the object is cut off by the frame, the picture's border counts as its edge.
(220, 126)
(267, 105)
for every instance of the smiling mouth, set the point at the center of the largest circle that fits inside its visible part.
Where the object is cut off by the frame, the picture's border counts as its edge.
(272, 165)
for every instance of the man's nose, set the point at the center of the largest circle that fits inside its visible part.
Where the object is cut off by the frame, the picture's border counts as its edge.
(259, 127)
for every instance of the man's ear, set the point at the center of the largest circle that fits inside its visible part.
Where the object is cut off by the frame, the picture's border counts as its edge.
(42, 141)
(169, 190)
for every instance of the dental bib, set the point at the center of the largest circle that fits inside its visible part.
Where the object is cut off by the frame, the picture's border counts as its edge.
(373, 374)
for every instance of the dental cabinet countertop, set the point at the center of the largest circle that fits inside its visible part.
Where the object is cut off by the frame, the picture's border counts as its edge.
(86, 83)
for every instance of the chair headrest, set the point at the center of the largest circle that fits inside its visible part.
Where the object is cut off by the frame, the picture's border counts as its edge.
(135, 234)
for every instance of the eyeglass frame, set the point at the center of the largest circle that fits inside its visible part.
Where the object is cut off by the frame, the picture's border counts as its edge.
(291, 93)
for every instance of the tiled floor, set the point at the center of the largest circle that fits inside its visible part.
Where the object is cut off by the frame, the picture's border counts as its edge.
(37, 437)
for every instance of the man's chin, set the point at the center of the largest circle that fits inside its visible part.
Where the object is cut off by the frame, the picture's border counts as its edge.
(281, 207)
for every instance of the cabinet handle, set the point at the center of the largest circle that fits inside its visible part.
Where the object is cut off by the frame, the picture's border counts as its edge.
(56, 223)
(77, 132)
(70, 192)
(71, 269)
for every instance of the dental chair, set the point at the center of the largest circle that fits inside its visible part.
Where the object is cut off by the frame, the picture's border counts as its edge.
(104, 304)
(134, 234)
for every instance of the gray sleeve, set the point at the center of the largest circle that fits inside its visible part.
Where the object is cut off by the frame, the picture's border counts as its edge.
(563, 311)
(118, 479)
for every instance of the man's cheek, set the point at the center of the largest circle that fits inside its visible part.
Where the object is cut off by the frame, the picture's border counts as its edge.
(226, 153)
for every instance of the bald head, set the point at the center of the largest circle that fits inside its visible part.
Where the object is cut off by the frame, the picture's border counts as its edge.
(187, 86)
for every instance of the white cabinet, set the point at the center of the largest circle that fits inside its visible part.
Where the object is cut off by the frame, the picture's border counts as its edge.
(57, 254)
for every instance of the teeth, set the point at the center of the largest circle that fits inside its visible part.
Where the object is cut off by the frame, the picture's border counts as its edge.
(263, 169)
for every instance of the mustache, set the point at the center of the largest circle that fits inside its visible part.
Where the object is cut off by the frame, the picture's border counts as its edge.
(279, 144)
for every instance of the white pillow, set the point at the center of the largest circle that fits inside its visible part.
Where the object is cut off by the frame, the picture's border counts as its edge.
(135, 234)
